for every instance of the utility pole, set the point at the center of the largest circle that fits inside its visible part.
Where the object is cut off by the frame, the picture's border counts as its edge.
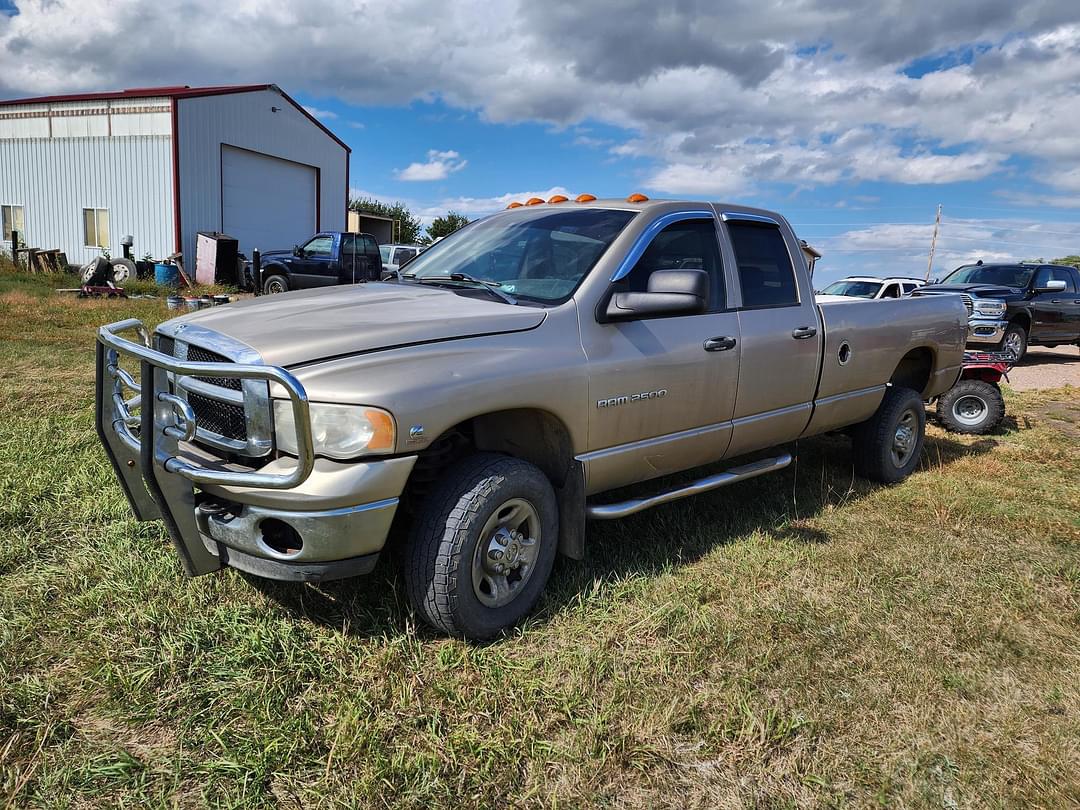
(933, 242)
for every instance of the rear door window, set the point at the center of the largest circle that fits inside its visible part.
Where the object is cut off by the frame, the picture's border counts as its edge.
(766, 274)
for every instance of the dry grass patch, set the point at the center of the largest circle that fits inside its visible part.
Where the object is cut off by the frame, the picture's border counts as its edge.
(796, 641)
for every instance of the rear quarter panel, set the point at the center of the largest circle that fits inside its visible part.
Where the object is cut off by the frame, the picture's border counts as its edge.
(878, 335)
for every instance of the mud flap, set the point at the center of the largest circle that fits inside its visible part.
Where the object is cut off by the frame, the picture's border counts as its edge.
(173, 494)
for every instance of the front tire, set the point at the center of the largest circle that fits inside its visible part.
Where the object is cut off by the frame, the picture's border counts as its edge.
(888, 445)
(275, 284)
(972, 407)
(1015, 342)
(482, 547)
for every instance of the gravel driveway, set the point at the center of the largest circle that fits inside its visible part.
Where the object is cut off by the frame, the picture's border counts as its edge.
(1047, 368)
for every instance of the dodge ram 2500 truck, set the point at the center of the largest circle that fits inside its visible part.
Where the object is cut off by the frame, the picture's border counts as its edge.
(488, 399)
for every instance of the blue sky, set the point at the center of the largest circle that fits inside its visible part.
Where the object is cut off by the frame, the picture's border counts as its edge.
(855, 126)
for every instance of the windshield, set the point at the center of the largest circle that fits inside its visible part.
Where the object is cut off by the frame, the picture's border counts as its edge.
(858, 289)
(1002, 275)
(541, 256)
(384, 251)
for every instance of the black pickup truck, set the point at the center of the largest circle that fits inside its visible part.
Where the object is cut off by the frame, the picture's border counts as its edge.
(1015, 305)
(326, 259)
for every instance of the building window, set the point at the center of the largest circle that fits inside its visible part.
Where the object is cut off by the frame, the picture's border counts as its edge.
(96, 227)
(12, 218)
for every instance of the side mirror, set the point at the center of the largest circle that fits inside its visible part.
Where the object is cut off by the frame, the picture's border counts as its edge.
(670, 292)
(298, 251)
(1057, 285)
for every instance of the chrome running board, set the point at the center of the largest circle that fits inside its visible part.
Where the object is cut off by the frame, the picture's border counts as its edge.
(611, 511)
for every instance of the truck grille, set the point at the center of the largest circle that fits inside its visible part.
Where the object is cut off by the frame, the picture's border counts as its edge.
(222, 418)
(969, 302)
(197, 354)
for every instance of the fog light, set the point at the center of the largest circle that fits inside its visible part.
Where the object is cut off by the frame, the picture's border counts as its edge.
(280, 537)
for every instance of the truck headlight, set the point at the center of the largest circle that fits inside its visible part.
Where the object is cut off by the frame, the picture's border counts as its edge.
(993, 308)
(337, 431)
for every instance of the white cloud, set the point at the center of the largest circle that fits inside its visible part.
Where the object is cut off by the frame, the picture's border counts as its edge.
(804, 93)
(439, 166)
(903, 248)
(322, 115)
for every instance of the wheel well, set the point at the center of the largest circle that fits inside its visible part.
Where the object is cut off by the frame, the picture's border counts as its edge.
(914, 370)
(1023, 320)
(530, 434)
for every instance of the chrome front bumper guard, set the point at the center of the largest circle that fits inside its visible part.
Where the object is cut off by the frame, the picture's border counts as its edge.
(144, 448)
(986, 330)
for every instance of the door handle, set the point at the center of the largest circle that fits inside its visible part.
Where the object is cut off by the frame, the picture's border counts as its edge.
(1055, 300)
(804, 332)
(719, 344)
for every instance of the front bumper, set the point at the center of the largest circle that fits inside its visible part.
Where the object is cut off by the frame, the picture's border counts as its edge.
(220, 513)
(295, 545)
(986, 330)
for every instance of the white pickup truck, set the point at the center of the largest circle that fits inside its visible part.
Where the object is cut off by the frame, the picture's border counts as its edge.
(487, 400)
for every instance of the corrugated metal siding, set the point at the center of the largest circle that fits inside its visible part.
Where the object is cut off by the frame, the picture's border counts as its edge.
(245, 120)
(54, 179)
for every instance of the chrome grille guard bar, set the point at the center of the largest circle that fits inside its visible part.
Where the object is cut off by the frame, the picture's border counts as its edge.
(173, 420)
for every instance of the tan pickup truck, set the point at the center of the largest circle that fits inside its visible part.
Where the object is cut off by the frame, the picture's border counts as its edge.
(484, 402)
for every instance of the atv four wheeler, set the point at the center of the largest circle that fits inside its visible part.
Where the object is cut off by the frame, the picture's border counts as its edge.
(975, 404)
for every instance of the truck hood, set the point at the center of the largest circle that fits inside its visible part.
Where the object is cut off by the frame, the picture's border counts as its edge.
(976, 290)
(311, 325)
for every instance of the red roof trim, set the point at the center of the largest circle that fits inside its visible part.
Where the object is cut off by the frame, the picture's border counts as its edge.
(175, 92)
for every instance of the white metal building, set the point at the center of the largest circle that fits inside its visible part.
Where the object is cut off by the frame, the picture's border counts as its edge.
(80, 172)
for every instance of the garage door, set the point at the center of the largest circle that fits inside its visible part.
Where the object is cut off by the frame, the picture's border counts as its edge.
(266, 202)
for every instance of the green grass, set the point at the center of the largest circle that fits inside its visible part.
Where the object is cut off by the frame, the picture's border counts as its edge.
(799, 640)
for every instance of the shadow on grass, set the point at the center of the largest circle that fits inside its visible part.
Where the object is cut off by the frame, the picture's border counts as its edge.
(783, 505)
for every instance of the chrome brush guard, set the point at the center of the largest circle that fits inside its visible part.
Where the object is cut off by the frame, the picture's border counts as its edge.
(144, 447)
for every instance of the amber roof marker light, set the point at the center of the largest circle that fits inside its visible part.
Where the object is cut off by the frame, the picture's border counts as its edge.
(584, 198)
(514, 205)
(637, 198)
(558, 198)
(534, 201)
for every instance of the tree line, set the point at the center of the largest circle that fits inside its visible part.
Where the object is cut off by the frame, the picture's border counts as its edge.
(409, 230)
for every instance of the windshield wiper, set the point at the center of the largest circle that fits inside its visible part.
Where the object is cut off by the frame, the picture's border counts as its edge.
(492, 287)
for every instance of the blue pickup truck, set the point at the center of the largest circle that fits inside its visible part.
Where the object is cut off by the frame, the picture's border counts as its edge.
(326, 259)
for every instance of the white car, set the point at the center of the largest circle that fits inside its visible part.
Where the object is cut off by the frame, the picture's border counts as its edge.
(869, 287)
(393, 256)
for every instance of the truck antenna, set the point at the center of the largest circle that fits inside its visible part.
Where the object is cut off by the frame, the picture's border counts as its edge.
(933, 243)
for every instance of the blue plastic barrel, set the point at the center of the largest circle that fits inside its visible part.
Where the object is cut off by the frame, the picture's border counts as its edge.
(166, 275)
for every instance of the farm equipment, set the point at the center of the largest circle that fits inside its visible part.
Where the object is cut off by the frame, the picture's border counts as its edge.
(975, 404)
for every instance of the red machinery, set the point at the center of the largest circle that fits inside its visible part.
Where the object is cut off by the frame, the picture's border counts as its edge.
(975, 404)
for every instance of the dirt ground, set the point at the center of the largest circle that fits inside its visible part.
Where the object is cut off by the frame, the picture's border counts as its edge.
(1047, 368)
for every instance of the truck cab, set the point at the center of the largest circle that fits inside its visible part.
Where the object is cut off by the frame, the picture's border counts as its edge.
(326, 259)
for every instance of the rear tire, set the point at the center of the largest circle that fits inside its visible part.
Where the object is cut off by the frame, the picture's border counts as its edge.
(971, 406)
(887, 446)
(1015, 342)
(482, 546)
(275, 284)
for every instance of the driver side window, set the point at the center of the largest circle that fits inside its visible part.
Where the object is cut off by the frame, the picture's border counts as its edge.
(320, 246)
(688, 245)
(1047, 274)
